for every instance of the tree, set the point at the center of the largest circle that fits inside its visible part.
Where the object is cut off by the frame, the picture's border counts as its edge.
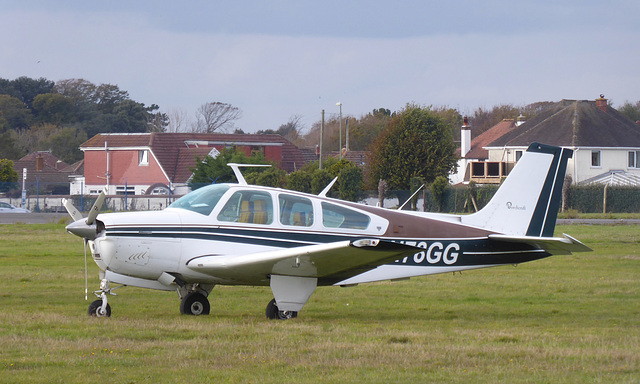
(416, 142)
(632, 111)
(216, 116)
(53, 108)
(8, 175)
(215, 169)
(9, 147)
(15, 114)
(26, 89)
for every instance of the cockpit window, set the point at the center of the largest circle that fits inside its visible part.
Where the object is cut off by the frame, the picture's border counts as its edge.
(202, 200)
(248, 207)
(295, 210)
(334, 216)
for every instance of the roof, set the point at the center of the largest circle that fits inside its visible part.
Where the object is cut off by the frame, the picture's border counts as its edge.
(478, 144)
(574, 123)
(617, 178)
(177, 156)
(53, 170)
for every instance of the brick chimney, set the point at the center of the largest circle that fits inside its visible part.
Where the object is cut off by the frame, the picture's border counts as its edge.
(39, 162)
(601, 103)
(465, 137)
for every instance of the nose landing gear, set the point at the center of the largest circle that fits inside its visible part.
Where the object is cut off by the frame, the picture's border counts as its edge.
(100, 307)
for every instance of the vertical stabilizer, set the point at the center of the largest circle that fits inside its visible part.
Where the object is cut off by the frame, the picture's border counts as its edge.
(527, 202)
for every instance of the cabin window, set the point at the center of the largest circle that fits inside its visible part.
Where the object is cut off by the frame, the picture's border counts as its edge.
(334, 216)
(595, 158)
(634, 159)
(143, 157)
(202, 200)
(295, 210)
(251, 207)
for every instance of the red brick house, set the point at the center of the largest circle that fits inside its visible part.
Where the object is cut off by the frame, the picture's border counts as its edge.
(156, 163)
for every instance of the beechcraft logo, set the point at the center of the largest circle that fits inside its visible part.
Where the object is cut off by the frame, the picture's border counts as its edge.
(516, 207)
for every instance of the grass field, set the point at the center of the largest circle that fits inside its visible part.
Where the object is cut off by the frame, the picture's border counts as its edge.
(564, 319)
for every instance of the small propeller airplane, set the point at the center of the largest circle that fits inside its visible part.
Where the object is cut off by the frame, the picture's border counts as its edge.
(240, 234)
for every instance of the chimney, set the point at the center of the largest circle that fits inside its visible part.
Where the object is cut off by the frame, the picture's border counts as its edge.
(39, 162)
(465, 137)
(601, 103)
(520, 120)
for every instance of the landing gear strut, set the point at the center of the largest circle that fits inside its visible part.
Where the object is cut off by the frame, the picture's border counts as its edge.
(101, 308)
(273, 313)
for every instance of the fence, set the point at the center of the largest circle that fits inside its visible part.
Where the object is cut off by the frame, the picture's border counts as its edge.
(585, 199)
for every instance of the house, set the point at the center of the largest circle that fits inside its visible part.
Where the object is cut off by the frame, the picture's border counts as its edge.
(606, 144)
(161, 163)
(47, 174)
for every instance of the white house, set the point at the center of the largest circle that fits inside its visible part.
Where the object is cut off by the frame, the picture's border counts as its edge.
(606, 144)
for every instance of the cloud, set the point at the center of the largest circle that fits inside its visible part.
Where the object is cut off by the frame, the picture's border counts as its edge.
(273, 77)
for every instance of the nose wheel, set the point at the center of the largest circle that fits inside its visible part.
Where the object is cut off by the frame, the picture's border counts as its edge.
(100, 307)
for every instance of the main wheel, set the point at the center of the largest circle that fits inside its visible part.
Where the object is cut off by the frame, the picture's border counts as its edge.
(94, 309)
(273, 313)
(195, 303)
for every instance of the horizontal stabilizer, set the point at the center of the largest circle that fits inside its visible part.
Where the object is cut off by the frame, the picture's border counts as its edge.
(309, 261)
(554, 245)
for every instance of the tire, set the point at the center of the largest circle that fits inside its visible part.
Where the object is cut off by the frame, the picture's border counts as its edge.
(273, 313)
(95, 306)
(195, 304)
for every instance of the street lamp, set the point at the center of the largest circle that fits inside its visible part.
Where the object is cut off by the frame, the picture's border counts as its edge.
(339, 104)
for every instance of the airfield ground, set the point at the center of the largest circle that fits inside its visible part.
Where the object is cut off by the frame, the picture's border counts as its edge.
(564, 319)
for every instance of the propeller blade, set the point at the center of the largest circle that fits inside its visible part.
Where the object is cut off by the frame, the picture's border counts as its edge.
(95, 209)
(73, 211)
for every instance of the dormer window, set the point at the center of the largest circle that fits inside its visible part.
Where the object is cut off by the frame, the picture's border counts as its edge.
(143, 157)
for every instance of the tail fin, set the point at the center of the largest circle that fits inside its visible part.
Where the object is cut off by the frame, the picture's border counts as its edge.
(527, 202)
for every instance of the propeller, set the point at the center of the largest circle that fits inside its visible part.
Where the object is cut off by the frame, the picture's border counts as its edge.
(84, 228)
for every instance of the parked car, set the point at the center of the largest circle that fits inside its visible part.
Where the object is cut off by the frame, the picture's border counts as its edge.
(8, 208)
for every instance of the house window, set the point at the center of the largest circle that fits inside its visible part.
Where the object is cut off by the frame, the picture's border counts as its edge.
(143, 157)
(518, 155)
(634, 159)
(128, 190)
(595, 158)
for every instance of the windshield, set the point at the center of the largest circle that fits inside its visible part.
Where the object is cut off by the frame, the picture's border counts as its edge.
(202, 200)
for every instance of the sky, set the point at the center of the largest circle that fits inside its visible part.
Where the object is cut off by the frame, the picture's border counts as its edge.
(279, 59)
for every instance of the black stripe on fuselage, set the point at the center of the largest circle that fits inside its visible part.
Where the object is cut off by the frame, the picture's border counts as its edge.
(429, 252)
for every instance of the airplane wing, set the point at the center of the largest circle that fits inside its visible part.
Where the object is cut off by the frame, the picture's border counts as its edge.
(343, 258)
(554, 245)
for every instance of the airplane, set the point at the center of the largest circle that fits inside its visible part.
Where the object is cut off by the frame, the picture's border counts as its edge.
(293, 242)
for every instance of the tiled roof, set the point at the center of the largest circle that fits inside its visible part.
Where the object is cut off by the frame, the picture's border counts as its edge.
(477, 150)
(53, 169)
(574, 123)
(176, 157)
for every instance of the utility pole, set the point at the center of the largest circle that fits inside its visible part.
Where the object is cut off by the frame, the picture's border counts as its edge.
(347, 134)
(321, 136)
(339, 104)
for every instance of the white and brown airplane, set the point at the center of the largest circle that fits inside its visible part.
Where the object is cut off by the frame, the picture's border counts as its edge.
(240, 234)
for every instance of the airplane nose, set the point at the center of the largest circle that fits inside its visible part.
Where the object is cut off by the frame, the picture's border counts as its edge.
(80, 228)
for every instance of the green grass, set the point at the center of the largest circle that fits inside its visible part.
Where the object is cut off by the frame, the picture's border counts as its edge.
(564, 319)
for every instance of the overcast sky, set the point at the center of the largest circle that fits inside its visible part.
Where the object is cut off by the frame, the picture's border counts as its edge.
(276, 59)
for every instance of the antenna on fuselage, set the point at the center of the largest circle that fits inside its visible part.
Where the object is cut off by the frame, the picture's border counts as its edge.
(328, 187)
(236, 170)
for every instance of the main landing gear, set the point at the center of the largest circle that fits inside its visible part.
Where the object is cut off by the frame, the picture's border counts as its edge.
(273, 313)
(193, 299)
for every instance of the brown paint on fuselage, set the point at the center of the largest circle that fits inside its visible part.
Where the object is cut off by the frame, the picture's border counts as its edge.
(403, 225)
